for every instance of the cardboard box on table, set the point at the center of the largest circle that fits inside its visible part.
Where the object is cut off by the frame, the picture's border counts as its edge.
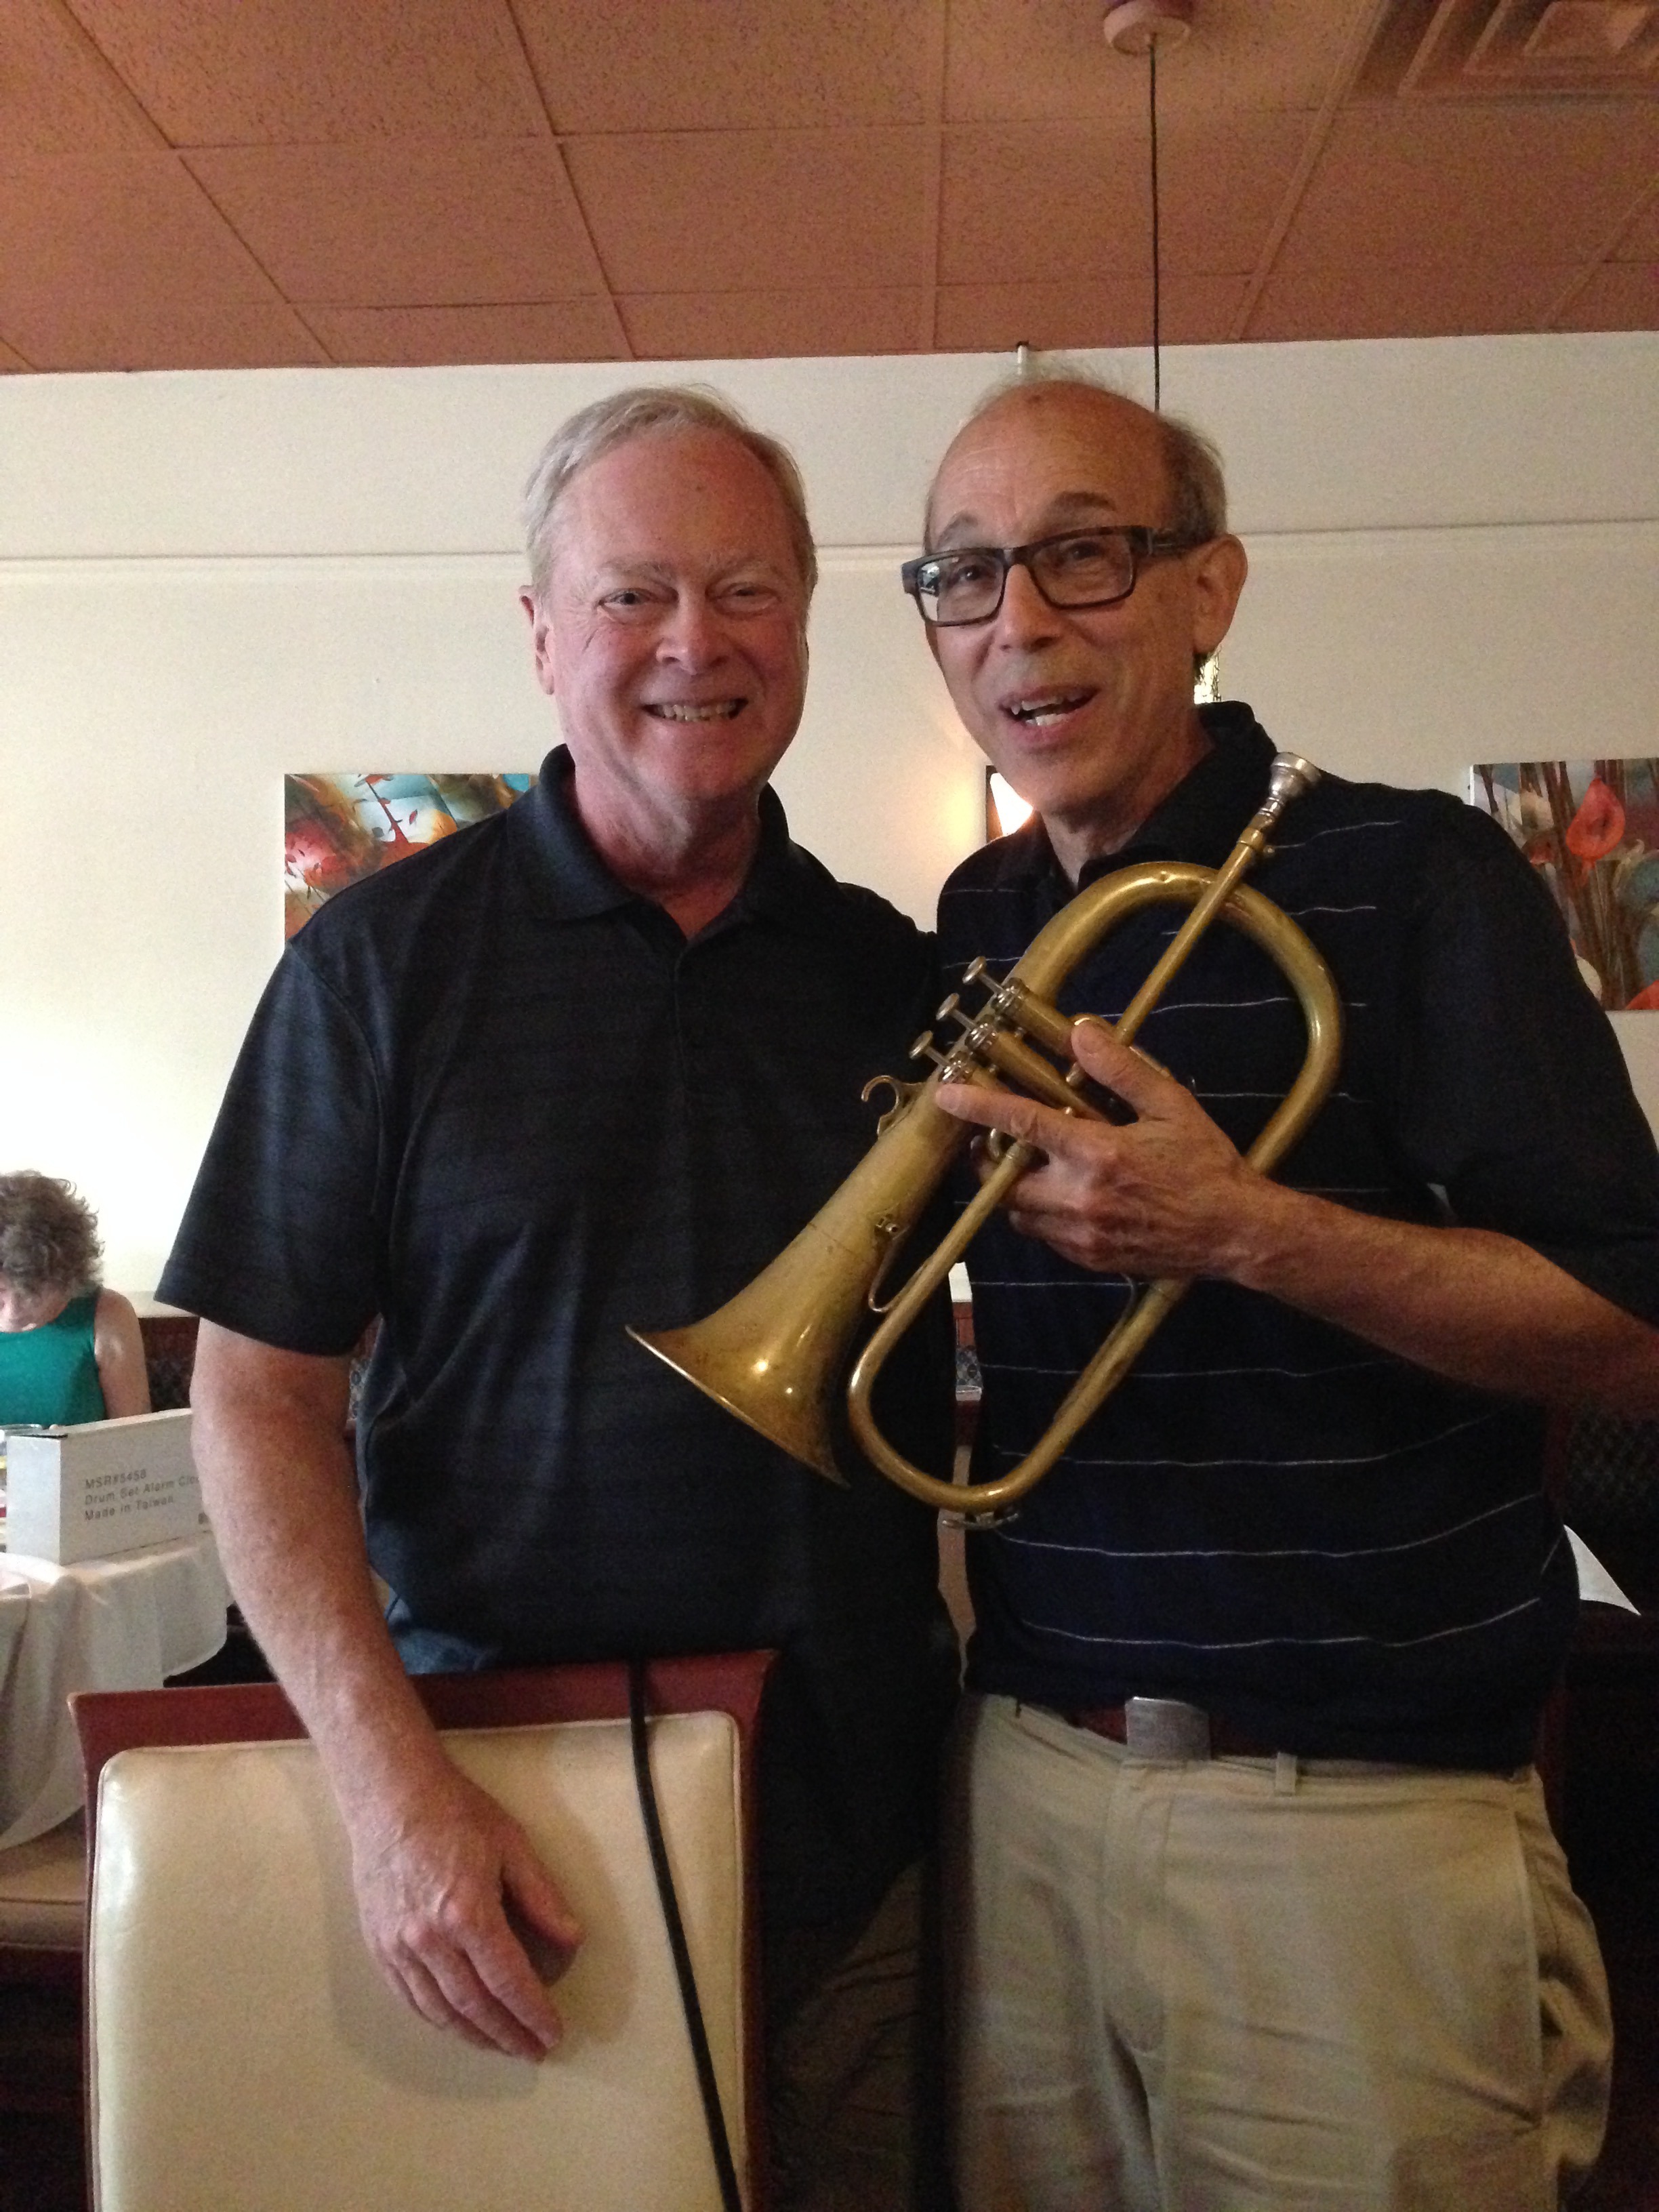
(109, 1486)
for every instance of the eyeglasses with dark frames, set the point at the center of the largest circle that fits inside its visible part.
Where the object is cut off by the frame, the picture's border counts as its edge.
(1077, 568)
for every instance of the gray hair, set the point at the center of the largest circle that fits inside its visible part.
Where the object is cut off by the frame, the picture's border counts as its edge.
(654, 411)
(48, 1236)
(1198, 487)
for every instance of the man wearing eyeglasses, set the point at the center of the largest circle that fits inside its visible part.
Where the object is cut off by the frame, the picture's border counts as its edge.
(1260, 1906)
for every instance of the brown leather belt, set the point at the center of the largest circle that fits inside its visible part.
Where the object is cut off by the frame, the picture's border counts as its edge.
(1166, 1728)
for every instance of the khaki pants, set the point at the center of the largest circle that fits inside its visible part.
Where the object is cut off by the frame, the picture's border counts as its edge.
(1259, 1986)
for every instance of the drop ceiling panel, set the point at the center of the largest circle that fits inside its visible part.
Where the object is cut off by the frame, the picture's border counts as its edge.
(388, 225)
(756, 211)
(434, 180)
(126, 243)
(1046, 201)
(1375, 300)
(1529, 182)
(1115, 312)
(1042, 60)
(422, 337)
(758, 326)
(265, 72)
(653, 65)
(1622, 296)
(1640, 240)
(57, 94)
(159, 332)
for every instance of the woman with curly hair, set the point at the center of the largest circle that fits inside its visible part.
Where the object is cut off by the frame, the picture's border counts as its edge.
(69, 1350)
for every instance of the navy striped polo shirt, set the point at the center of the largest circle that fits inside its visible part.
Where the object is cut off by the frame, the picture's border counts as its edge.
(1343, 1553)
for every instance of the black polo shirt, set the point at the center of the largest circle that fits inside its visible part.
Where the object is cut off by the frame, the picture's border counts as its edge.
(502, 1103)
(1349, 1555)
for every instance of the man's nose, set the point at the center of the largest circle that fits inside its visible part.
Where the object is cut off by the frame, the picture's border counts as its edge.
(1024, 615)
(693, 633)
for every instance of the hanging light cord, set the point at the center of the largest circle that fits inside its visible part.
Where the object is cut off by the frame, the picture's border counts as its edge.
(1157, 366)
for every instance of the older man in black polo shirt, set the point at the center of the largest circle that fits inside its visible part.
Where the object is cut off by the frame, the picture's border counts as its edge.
(1261, 1908)
(586, 1065)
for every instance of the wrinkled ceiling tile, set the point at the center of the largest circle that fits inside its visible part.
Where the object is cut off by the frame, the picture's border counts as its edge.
(155, 331)
(57, 94)
(1044, 60)
(1373, 300)
(650, 65)
(381, 225)
(1526, 181)
(1060, 201)
(1640, 239)
(1622, 296)
(95, 245)
(1118, 312)
(264, 72)
(756, 211)
(758, 326)
(427, 337)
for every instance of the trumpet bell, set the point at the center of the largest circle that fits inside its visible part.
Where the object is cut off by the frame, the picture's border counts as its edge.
(774, 1354)
(755, 1377)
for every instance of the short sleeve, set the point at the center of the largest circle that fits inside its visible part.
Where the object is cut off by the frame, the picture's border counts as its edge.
(1511, 1093)
(279, 1240)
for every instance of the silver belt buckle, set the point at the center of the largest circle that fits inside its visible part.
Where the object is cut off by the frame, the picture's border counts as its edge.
(1164, 1728)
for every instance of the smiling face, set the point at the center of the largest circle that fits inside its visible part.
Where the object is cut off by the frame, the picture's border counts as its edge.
(672, 630)
(1087, 712)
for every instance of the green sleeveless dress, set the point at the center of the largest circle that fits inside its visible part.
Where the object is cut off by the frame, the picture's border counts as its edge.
(49, 1375)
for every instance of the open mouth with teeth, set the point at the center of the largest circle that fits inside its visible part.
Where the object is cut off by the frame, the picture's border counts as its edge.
(696, 710)
(1043, 712)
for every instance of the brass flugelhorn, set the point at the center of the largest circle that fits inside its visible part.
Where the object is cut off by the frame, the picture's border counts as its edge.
(774, 1354)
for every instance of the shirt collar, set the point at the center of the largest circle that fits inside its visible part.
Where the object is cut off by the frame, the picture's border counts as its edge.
(784, 883)
(1199, 820)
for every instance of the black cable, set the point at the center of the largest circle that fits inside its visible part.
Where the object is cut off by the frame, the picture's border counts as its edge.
(719, 2142)
(1157, 366)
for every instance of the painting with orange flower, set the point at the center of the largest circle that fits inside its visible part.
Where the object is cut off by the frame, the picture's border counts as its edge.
(339, 828)
(1591, 829)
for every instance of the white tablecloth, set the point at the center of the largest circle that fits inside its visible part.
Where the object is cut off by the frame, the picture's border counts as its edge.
(121, 1623)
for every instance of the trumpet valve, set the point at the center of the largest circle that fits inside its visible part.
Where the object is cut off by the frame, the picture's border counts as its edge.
(925, 1048)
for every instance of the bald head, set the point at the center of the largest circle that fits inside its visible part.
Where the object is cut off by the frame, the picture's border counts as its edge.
(1191, 492)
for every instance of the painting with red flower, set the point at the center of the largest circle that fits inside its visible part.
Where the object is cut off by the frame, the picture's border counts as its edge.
(339, 828)
(1591, 829)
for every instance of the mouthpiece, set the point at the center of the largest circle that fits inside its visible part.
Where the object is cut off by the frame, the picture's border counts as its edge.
(1289, 776)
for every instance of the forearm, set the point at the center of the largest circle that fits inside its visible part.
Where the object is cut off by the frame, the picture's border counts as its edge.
(1480, 1307)
(1168, 1195)
(433, 1857)
(279, 1488)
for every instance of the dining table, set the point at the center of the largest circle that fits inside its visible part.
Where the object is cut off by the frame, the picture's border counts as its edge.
(123, 1623)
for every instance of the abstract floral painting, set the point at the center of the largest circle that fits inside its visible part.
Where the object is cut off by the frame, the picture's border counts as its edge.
(1591, 829)
(339, 828)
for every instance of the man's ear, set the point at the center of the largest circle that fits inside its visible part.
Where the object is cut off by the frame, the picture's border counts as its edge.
(1217, 571)
(541, 642)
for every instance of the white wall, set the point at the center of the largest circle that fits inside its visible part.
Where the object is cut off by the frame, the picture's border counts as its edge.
(207, 580)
